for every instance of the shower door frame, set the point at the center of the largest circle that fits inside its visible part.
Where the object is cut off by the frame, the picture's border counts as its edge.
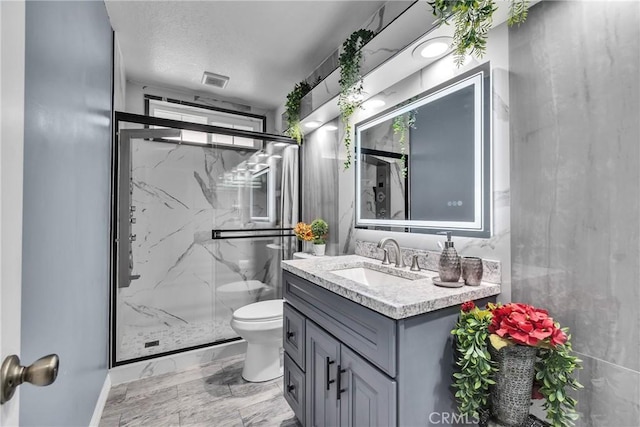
(117, 205)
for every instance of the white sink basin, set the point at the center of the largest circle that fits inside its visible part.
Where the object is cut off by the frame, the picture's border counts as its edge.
(370, 277)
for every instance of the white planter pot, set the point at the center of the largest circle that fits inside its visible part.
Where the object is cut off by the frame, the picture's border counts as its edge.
(318, 250)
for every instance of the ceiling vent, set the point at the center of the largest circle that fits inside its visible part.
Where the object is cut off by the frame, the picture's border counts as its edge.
(215, 80)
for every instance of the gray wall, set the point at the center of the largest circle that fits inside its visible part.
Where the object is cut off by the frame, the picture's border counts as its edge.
(66, 206)
(575, 189)
(320, 181)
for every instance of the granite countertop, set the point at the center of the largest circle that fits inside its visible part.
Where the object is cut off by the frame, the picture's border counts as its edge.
(394, 300)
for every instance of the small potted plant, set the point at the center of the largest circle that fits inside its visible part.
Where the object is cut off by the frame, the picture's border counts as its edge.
(320, 229)
(303, 232)
(508, 353)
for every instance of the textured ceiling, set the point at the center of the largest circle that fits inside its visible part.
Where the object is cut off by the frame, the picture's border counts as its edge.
(263, 46)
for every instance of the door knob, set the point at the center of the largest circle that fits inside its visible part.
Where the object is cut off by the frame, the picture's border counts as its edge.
(41, 373)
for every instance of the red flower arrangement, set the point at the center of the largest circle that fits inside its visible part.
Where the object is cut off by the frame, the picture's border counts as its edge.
(508, 325)
(525, 324)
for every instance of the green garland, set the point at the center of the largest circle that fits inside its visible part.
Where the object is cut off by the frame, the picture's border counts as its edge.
(351, 95)
(472, 20)
(476, 369)
(554, 370)
(401, 125)
(293, 110)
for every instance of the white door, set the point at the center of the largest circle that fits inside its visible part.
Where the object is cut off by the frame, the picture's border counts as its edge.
(12, 49)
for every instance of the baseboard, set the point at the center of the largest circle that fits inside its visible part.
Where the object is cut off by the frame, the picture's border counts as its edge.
(102, 400)
(175, 362)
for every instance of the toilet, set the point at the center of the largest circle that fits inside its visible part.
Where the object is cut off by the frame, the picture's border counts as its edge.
(260, 324)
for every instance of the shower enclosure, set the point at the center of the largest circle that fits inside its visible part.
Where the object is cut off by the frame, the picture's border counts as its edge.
(203, 216)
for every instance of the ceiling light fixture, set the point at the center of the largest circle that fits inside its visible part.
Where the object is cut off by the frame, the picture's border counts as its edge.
(312, 124)
(432, 48)
(330, 127)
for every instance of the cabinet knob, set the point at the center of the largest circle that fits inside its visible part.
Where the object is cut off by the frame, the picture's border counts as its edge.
(290, 388)
(290, 334)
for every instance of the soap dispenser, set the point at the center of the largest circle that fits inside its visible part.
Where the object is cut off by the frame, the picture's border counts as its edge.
(449, 265)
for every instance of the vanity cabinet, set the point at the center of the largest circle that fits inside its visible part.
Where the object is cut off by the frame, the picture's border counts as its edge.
(342, 389)
(348, 365)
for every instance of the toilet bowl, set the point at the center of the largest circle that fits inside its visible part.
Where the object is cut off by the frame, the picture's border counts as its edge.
(260, 324)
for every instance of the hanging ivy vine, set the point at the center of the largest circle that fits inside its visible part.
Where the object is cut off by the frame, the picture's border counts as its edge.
(351, 91)
(401, 124)
(294, 98)
(472, 20)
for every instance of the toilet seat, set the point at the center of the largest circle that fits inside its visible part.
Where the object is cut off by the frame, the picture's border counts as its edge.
(262, 311)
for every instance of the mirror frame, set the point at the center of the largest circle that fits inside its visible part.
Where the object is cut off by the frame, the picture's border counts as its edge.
(481, 225)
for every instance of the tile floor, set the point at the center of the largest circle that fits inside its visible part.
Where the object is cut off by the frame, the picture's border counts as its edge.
(213, 395)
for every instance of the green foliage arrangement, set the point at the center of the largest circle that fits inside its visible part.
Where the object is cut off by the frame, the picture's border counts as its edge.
(293, 110)
(401, 125)
(472, 20)
(514, 324)
(476, 369)
(320, 229)
(554, 371)
(351, 96)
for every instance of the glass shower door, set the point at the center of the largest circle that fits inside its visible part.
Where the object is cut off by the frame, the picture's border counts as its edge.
(181, 281)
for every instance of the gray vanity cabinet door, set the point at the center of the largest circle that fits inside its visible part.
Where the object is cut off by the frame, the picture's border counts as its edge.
(294, 387)
(293, 335)
(369, 396)
(322, 359)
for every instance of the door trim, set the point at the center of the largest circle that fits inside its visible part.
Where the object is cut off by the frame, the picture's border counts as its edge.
(101, 403)
(12, 72)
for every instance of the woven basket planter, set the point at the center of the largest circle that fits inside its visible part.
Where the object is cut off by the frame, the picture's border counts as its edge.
(511, 395)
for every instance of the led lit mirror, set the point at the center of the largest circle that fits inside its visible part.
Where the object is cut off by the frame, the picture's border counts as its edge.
(424, 165)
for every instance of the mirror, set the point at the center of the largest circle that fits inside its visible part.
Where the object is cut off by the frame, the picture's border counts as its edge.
(259, 203)
(424, 165)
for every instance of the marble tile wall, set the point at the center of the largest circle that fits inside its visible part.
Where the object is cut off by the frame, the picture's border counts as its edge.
(320, 182)
(575, 103)
(189, 285)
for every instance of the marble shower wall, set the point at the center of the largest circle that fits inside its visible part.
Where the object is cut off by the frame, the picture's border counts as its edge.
(575, 97)
(183, 297)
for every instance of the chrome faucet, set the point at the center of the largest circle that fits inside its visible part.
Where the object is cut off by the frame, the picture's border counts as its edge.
(384, 241)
